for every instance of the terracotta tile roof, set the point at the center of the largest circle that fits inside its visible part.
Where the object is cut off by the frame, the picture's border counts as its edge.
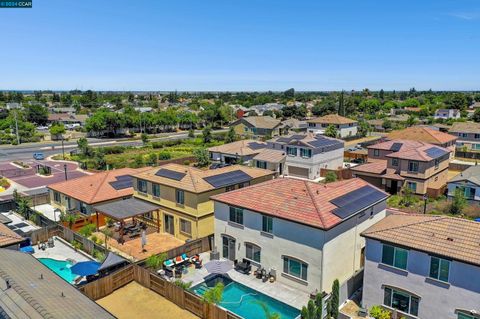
(267, 122)
(332, 119)
(96, 188)
(417, 154)
(297, 200)
(376, 167)
(450, 237)
(465, 127)
(422, 134)
(271, 156)
(8, 237)
(405, 145)
(193, 180)
(242, 148)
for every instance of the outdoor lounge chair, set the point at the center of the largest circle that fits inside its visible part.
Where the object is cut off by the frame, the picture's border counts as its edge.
(243, 267)
(169, 263)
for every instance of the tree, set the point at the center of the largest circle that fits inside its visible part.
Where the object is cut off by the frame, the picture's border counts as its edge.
(387, 124)
(324, 107)
(289, 94)
(314, 309)
(191, 133)
(213, 296)
(37, 114)
(202, 156)
(330, 177)
(363, 128)
(331, 131)
(207, 134)
(335, 299)
(144, 137)
(458, 202)
(231, 136)
(57, 129)
(411, 121)
(82, 144)
(266, 311)
(476, 116)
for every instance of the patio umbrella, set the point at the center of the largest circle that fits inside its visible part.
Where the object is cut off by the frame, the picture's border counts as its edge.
(219, 267)
(85, 268)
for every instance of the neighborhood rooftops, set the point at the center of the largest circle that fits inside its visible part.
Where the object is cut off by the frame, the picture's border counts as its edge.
(240, 148)
(37, 292)
(311, 140)
(271, 156)
(471, 174)
(422, 134)
(8, 237)
(99, 187)
(426, 153)
(451, 237)
(465, 127)
(196, 180)
(332, 119)
(266, 122)
(318, 205)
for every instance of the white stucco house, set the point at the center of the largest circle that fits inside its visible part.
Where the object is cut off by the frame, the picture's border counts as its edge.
(345, 127)
(423, 266)
(469, 182)
(306, 233)
(447, 114)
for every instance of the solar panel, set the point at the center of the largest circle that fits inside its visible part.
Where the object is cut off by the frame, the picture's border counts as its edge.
(324, 142)
(122, 182)
(435, 152)
(396, 147)
(256, 146)
(170, 174)
(226, 179)
(355, 201)
(123, 177)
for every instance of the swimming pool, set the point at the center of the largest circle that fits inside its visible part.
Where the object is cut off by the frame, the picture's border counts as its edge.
(60, 267)
(244, 301)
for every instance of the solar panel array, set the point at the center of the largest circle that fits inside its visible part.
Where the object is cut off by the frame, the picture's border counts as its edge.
(396, 147)
(170, 174)
(256, 146)
(435, 152)
(226, 179)
(122, 182)
(355, 201)
(324, 142)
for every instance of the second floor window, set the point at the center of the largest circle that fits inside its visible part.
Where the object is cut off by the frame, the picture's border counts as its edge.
(155, 190)
(236, 215)
(395, 162)
(439, 268)
(395, 256)
(56, 197)
(292, 151)
(305, 152)
(262, 164)
(413, 166)
(376, 153)
(180, 196)
(267, 224)
(477, 136)
(142, 186)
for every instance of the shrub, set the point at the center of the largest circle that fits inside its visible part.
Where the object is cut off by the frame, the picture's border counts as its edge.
(117, 149)
(378, 312)
(77, 245)
(183, 285)
(164, 156)
(155, 261)
(186, 162)
(330, 177)
(87, 230)
(98, 255)
(94, 238)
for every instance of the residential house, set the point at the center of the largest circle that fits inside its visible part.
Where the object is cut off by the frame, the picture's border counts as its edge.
(81, 194)
(293, 125)
(423, 266)
(446, 114)
(421, 167)
(238, 152)
(469, 182)
(307, 234)
(68, 119)
(9, 239)
(426, 135)
(29, 289)
(468, 134)
(183, 194)
(257, 126)
(345, 127)
(305, 155)
(13, 106)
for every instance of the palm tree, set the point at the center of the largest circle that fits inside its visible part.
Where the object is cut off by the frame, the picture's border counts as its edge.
(213, 296)
(266, 311)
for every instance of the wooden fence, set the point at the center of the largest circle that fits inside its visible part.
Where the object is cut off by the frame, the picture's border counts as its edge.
(182, 298)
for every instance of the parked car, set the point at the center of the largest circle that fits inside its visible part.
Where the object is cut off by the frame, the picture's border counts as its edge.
(38, 156)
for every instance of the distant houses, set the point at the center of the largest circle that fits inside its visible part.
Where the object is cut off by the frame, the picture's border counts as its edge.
(468, 134)
(345, 127)
(446, 114)
(239, 152)
(257, 126)
(426, 135)
(468, 182)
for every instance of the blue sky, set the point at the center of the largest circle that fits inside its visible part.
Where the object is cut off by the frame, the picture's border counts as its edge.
(241, 45)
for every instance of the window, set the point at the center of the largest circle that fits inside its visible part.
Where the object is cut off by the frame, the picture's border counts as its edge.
(395, 162)
(439, 268)
(395, 256)
(267, 224)
(242, 185)
(413, 166)
(230, 188)
(180, 196)
(69, 202)
(155, 190)
(295, 267)
(311, 124)
(142, 186)
(462, 315)
(376, 153)
(292, 151)
(305, 152)
(463, 134)
(56, 197)
(252, 252)
(412, 186)
(236, 215)
(185, 226)
(262, 164)
(401, 300)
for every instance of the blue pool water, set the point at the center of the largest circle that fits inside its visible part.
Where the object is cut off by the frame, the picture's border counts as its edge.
(60, 267)
(243, 300)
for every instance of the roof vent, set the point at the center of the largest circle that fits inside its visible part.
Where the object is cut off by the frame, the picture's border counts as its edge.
(318, 192)
(449, 238)
(62, 295)
(41, 276)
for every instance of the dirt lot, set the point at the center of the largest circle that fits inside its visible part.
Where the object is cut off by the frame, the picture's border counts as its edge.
(136, 301)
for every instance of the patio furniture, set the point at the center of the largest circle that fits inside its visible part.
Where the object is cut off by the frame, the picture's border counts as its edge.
(50, 243)
(168, 272)
(258, 273)
(243, 267)
(168, 263)
(198, 264)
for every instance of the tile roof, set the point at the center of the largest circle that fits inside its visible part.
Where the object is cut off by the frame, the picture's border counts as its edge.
(419, 153)
(405, 145)
(193, 179)
(267, 122)
(332, 119)
(271, 156)
(242, 148)
(471, 174)
(96, 188)
(8, 237)
(37, 292)
(422, 134)
(375, 167)
(309, 139)
(465, 127)
(450, 237)
(296, 200)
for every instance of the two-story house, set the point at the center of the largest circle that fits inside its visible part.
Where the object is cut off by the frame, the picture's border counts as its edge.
(446, 114)
(345, 127)
(469, 182)
(468, 134)
(257, 126)
(304, 155)
(423, 266)
(421, 167)
(425, 134)
(306, 233)
(183, 194)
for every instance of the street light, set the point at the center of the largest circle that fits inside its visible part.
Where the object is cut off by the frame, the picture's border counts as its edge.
(425, 197)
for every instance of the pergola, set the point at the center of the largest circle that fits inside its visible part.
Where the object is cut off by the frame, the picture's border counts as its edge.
(126, 209)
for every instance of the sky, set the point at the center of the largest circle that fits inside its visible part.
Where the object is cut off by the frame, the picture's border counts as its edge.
(241, 45)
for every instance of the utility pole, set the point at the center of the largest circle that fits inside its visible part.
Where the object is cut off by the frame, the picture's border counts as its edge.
(63, 149)
(16, 126)
(65, 169)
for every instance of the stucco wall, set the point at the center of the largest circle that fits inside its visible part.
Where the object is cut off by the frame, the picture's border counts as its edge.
(331, 160)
